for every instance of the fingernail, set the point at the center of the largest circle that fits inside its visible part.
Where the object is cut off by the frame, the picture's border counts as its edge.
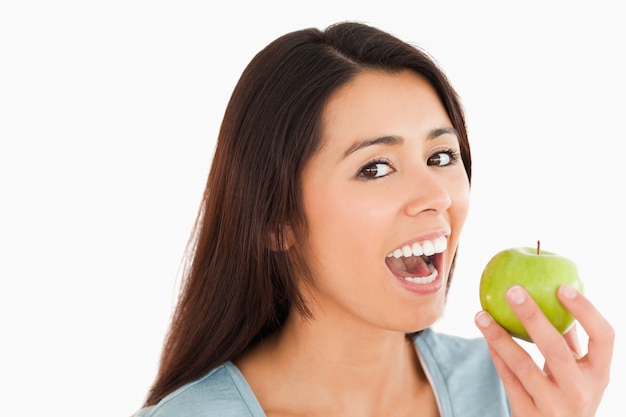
(516, 295)
(567, 291)
(483, 319)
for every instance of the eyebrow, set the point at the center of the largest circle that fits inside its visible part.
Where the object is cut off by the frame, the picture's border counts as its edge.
(435, 133)
(384, 140)
(396, 140)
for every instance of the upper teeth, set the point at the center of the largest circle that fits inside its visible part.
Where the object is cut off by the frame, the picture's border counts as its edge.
(426, 247)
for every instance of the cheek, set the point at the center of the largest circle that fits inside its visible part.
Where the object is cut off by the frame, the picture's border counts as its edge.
(461, 203)
(460, 195)
(463, 198)
(342, 224)
(458, 187)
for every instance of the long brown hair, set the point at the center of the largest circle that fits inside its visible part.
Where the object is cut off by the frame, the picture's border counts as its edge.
(238, 286)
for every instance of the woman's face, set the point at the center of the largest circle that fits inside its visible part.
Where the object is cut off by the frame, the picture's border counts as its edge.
(385, 199)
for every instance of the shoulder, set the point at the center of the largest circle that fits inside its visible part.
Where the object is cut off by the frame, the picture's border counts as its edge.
(462, 373)
(222, 392)
(444, 348)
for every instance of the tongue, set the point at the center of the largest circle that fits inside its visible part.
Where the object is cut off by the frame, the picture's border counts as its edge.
(413, 266)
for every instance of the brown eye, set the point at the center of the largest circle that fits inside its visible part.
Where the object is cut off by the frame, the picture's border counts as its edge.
(376, 169)
(443, 158)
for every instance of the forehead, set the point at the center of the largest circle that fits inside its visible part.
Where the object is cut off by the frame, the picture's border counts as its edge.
(382, 103)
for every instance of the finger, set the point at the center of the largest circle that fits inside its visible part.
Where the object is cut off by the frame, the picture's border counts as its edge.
(560, 362)
(519, 399)
(571, 337)
(517, 369)
(600, 332)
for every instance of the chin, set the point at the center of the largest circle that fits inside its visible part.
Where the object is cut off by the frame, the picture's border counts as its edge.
(425, 316)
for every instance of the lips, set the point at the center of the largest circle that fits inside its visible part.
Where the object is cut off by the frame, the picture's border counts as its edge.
(418, 262)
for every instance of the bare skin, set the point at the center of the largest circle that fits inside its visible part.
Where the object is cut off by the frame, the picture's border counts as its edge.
(383, 178)
(291, 376)
(365, 197)
(571, 382)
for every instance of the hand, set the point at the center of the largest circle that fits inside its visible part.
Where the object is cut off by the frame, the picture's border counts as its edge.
(570, 384)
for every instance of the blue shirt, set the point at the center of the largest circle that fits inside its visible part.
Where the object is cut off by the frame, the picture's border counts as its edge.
(460, 371)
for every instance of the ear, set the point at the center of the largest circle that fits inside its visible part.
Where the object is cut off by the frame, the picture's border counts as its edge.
(280, 240)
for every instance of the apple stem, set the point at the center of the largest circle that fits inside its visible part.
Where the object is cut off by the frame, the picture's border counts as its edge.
(538, 247)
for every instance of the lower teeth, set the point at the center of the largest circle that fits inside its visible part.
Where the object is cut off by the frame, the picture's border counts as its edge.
(423, 280)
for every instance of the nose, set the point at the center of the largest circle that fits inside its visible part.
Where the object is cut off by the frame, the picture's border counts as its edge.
(429, 193)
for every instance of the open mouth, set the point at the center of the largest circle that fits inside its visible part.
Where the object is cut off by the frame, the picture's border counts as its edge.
(419, 262)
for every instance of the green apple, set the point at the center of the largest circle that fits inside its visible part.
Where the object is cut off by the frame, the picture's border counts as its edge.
(540, 273)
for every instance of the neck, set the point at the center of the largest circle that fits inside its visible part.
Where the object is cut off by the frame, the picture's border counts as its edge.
(356, 370)
(347, 349)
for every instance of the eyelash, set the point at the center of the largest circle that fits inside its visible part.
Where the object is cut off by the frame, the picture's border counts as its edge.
(372, 164)
(453, 155)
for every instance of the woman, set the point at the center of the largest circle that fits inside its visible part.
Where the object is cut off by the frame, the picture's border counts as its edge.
(325, 245)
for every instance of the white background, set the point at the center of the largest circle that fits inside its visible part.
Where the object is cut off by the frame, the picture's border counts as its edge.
(108, 116)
